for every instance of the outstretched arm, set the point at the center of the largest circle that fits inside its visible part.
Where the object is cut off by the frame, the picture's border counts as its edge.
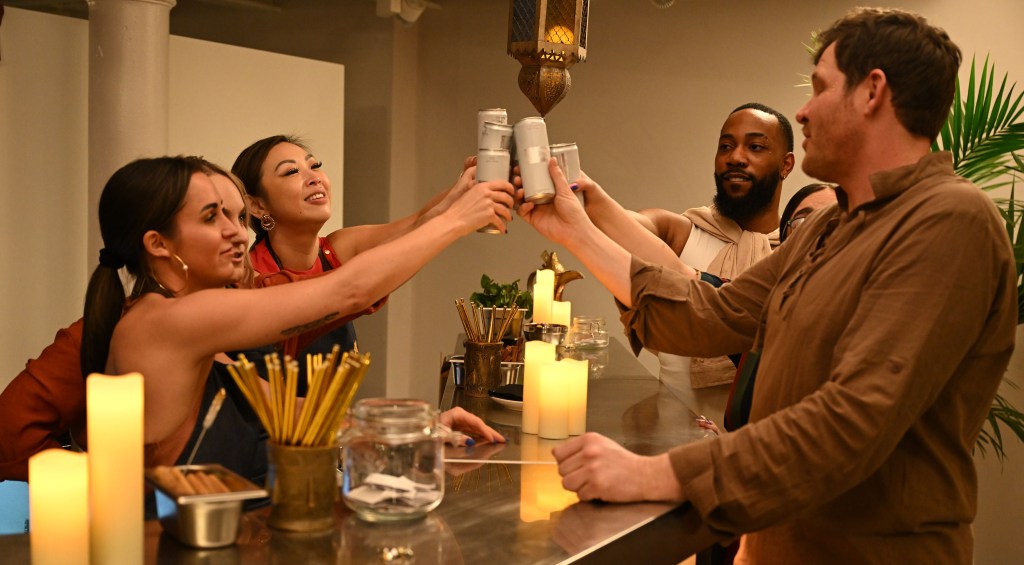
(672, 228)
(564, 221)
(216, 320)
(652, 235)
(349, 242)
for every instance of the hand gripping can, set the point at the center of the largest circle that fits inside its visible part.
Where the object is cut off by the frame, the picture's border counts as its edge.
(492, 164)
(531, 137)
(495, 115)
(568, 157)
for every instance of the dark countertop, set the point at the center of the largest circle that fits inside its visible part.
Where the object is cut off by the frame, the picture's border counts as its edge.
(503, 503)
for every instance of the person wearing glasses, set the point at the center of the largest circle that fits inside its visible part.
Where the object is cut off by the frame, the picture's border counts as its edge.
(811, 197)
(806, 200)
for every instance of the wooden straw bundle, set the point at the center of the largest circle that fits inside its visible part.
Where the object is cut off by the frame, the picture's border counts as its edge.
(474, 326)
(314, 420)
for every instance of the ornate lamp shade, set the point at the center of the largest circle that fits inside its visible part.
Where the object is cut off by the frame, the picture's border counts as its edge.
(547, 37)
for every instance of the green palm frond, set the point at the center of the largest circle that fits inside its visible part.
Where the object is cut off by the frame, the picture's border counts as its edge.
(992, 436)
(985, 133)
(984, 128)
(1012, 211)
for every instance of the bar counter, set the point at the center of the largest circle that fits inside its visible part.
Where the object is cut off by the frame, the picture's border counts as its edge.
(502, 503)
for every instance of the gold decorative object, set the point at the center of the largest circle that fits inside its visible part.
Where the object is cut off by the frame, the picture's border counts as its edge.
(562, 276)
(547, 37)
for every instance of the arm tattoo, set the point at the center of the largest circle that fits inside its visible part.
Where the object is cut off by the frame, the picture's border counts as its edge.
(303, 328)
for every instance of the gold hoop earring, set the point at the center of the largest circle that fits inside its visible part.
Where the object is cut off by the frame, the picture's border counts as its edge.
(184, 269)
(267, 222)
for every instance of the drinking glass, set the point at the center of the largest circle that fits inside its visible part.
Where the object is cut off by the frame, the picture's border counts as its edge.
(587, 332)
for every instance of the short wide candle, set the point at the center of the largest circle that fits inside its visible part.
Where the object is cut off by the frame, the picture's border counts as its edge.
(59, 507)
(115, 420)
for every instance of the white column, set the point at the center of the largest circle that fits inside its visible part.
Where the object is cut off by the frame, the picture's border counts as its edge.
(128, 83)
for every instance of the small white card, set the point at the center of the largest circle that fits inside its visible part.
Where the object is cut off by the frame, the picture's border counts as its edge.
(403, 484)
(369, 495)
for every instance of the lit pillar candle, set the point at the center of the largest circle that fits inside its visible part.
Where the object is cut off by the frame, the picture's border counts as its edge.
(58, 490)
(554, 401)
(114, 408)
(537, 353)
(561, 312)
(543, 295)
(576, 373)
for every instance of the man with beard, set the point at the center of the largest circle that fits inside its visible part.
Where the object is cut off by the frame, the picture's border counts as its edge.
(754, 155)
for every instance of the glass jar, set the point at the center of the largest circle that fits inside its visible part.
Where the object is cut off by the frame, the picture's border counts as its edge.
(587, 332)
(392, 459)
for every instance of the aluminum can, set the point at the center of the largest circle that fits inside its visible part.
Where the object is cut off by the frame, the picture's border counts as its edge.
(492, 164)
(495, 115)
(533, 152)
(496, 136)
(568, 157)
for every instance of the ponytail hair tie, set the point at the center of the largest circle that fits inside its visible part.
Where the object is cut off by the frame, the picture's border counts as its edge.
(110, 259)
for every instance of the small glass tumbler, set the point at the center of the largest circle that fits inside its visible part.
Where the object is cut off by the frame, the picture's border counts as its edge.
(587, 332)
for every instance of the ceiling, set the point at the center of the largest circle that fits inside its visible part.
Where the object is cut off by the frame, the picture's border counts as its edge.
(251, 23)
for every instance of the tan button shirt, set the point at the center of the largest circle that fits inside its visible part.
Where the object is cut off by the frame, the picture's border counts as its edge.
(888, 330)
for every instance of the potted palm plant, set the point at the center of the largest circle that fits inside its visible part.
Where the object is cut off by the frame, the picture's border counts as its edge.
(985, 134)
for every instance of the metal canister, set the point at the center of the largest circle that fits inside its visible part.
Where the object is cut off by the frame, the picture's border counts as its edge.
(496, 136)
(495, 115)
(492, 164)
(568, 157)
(531, 137)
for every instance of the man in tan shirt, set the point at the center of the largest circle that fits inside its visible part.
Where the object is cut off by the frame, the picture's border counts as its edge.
(753, 156)
(885, 326)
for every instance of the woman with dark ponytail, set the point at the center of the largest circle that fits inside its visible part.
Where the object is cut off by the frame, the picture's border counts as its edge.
(163, 220)
(177, 226)
(44, 405)
(142, 196)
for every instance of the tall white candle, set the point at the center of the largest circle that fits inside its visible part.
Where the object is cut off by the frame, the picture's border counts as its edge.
(543, 295)
(114, 408)
(58, 490)
(554, 401)
(576, 373)
(561, 312)
(536, 354)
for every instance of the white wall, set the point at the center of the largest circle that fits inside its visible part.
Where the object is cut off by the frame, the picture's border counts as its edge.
(221, 99)
(43, 180)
